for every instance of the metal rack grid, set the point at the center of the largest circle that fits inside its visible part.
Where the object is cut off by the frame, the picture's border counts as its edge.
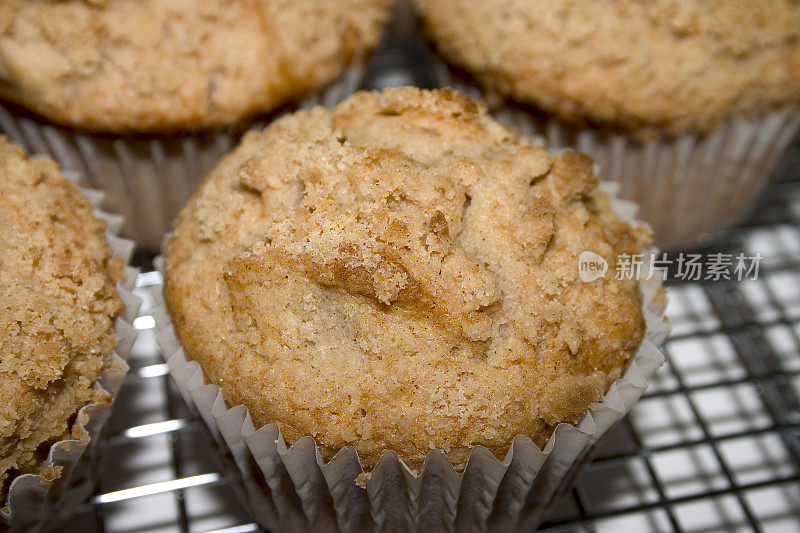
(713, 445)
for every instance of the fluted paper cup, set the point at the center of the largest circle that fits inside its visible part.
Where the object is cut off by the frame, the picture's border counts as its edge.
(35, 503)
(689, 185)
(291, 488)
(147, 179)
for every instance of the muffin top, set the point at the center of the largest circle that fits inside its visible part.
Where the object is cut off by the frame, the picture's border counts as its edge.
(400, 273)
(671, 65)
(161, 65)
(58, 302)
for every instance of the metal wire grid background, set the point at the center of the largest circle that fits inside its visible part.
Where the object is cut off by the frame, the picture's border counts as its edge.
(713, 445)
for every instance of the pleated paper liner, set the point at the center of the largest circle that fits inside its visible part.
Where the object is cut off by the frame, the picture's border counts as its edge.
(688, 186)
(36, 504)
(291, 488)
(147, 179)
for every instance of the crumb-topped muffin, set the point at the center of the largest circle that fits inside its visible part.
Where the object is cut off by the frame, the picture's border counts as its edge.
(58, 303)
(159, 65)
(400, 273)
(676, 65)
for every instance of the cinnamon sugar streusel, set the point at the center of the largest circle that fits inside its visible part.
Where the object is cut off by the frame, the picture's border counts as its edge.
(58, 303)
(400, 273)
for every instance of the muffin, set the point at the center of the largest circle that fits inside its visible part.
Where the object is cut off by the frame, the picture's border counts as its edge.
(688, 104)
(148, 67)
(399, 274)
(57, 331)
(158, 65)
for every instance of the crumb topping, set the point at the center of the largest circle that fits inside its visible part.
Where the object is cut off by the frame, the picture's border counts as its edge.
(58, 302)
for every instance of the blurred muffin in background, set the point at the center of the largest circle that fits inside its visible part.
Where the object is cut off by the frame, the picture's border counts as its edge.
(163, 65)
(689, 104)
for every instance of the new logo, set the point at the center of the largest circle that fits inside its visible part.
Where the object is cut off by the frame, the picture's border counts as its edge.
(591, 266)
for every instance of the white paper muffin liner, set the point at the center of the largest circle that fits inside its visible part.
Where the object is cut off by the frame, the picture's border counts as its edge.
(147, 179)
(687, 185)
(291, 488)
(34, 504)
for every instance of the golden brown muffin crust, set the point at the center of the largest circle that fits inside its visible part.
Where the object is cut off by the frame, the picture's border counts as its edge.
(399, 272)
(676, 65)
(58, 302)
(155, 65)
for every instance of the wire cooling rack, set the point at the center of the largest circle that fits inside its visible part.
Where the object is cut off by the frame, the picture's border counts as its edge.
(714, 445)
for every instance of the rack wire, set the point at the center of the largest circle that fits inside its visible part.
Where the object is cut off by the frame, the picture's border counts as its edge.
(713, 445)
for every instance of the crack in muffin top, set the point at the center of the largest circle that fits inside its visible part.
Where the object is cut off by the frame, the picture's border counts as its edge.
(400, 273)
